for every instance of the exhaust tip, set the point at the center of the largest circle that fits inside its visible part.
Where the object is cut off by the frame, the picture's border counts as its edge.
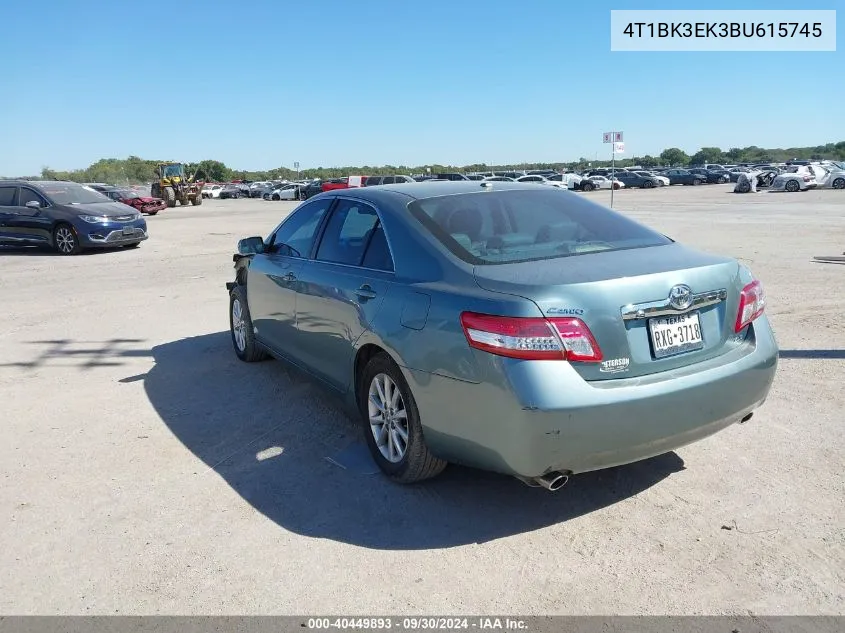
(553, 481)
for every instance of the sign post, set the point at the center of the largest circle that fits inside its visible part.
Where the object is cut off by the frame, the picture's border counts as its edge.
(616, 145)
(296, 167)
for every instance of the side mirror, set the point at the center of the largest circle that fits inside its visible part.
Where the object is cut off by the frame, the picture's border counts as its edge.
(33, 204)
(251, 246)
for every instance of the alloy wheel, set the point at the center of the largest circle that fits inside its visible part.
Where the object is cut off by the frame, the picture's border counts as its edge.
(388, 418)
(65, 240)
(238, 325)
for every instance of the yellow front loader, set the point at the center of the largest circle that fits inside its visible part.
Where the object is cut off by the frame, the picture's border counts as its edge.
(174, 185)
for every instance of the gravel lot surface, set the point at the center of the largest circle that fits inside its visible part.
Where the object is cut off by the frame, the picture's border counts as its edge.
(145, 470)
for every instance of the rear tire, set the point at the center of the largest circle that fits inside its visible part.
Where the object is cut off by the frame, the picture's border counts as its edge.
(196, 201)
(588, 186)
(396, 421)
(65, 240)
(839, 183)
(648, 184)
(276, 197)
(240, 326)
(792, 186)
(696, 181)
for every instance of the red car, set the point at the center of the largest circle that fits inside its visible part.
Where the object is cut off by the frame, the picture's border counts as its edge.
(344, 183)
(144, 204)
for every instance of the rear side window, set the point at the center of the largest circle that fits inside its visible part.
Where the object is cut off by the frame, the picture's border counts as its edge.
(503, 227)
(388, 180)
(347, 233)
(7, 196)
(378, 252)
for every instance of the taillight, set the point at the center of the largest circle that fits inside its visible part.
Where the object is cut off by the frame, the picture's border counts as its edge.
(752, 302)
(531, 338)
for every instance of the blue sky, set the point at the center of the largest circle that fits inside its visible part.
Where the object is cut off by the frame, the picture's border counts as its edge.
(334, 82)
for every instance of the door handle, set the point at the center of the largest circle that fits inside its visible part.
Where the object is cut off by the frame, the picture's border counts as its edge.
(365, 292)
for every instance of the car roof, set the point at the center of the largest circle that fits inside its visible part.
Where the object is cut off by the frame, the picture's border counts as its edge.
(425, 189)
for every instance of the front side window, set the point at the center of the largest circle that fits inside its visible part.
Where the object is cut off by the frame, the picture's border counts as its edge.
(503, 227)
(28, 195)
(295, 237)
(348, 233)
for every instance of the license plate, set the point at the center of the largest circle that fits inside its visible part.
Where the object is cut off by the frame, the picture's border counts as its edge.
(129, 231)
(675, 334)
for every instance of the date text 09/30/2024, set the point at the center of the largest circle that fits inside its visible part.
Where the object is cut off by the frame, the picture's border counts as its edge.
(417, 623)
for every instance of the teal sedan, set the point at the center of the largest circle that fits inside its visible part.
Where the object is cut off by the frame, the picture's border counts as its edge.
(504, 326)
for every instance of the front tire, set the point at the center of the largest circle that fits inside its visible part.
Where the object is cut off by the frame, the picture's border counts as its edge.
(648, 184)
(169, 196)
(276, 197)
(196, 201)
(792, 186)
(392, 424)
(240, 325)
(696, 181)
(587, 186)
(839, 183)
(66, 241)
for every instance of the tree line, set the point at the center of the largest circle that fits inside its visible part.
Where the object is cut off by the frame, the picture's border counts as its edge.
(134, 170)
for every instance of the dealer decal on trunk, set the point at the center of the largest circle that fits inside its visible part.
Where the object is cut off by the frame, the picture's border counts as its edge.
(615, 365)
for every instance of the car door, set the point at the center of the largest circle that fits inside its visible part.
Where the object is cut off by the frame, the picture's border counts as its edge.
(341, 290)
(28, 223)
(274, 276)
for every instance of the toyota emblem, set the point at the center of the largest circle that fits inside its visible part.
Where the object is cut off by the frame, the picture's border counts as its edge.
(680, 297)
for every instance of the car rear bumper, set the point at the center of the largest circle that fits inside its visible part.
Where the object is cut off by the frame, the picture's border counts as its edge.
(540, 417)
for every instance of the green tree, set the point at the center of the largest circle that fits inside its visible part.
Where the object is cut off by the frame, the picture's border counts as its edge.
(707, 155)
(674, 156)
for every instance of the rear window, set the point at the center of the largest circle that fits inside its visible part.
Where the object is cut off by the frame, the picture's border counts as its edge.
(505, 227)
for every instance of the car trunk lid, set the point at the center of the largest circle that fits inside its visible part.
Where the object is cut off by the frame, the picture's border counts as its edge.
(623, 297)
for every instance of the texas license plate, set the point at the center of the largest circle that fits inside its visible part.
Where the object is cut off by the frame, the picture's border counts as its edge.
(129, 231)
(675, 334)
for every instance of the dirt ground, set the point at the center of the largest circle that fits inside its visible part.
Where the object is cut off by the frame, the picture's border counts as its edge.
(146, 471)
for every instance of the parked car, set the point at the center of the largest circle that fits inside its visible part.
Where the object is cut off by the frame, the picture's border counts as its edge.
(291, 191)
(570, 180)
(211, 191)
(145, 204)
(311, 189)
(662, 180)
(796, 178)
(350, 182)
(833, 177)
(572, 334)
(231, 191)
(683, 177)
(631, 179)
(599, 182)
(451, 177)
(498, 179)
(733, 173)
(374, 181)
(712, 176)
(535, 178)
(755, 179)
(66, 216)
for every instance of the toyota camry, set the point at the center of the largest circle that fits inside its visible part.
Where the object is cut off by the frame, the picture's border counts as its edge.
(504, 326)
